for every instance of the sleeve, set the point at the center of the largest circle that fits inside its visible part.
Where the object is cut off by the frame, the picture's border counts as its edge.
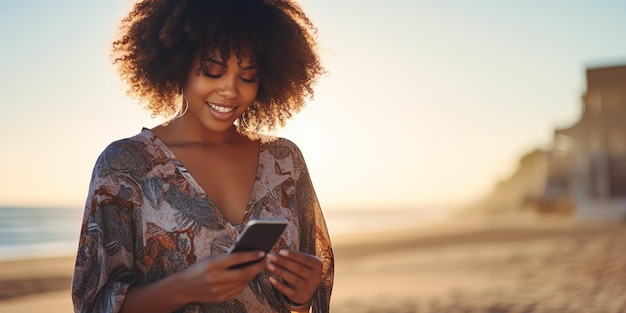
(314, 237)
(105, 261)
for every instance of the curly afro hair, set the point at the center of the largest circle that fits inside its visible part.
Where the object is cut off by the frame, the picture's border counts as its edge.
(159, 39)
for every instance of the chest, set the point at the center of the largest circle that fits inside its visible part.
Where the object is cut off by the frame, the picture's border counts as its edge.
(226, 174)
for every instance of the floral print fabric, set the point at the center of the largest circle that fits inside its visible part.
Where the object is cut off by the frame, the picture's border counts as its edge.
(146, 218)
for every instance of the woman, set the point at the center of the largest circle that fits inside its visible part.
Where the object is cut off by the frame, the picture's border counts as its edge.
(165, 205)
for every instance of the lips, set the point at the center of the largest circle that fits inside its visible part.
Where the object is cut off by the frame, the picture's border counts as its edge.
(222, 112)
(219, 108)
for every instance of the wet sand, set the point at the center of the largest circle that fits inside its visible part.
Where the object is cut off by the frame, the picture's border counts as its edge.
(475, 267)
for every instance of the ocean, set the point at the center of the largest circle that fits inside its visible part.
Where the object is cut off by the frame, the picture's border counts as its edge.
(49, 232)
(38, 232)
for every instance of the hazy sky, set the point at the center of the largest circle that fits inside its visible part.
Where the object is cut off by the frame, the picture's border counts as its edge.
(426, 105)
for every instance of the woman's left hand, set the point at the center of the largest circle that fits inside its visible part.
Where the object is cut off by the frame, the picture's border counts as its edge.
(297, 275)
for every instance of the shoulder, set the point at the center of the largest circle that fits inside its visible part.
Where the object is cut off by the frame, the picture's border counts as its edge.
(128, 155)
(282, 148)
(285, 154)
(126, 148)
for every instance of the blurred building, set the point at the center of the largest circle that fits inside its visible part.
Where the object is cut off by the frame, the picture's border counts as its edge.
(586, 166)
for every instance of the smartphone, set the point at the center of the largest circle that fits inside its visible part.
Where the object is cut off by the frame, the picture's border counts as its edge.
(258, 235)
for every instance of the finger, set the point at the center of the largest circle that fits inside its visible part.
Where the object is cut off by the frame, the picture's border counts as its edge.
(225, 282)
(244, 274)
(233, 292)
(226, 293)
(241, 258)
(221, 289)
(253, 269)
(304, 271)
(307, 260)
(291, 279)
(288, 291)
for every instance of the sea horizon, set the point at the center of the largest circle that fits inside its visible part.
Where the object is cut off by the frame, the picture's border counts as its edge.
(28, 232)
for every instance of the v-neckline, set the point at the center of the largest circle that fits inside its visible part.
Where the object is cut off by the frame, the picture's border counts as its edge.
(189, 177)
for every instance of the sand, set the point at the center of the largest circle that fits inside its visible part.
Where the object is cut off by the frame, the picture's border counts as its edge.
(495, 267)
(36, 285)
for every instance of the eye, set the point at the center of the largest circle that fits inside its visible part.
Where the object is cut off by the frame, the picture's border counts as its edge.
(249, 76)
(213, 70)
(250, 79)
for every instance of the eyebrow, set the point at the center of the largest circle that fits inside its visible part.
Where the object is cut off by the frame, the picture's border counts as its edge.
(224, 65)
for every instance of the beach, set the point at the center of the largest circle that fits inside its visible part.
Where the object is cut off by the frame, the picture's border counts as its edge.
(484, 266)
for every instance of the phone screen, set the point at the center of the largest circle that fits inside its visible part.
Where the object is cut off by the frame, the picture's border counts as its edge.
(258, 235)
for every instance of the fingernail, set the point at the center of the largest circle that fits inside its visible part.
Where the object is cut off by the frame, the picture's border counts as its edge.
(271, 267)
(284, 252)
(261, 254)
(273, 280)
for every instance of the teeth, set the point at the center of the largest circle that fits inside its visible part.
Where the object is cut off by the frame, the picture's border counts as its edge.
(220, 109)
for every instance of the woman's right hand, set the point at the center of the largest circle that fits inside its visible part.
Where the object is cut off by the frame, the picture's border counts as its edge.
(208, 280)
(211, 280)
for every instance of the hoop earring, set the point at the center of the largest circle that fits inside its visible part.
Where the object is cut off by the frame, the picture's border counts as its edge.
(185, 106)
(243, 120)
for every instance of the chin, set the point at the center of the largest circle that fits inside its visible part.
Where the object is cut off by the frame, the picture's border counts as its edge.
(219, 127)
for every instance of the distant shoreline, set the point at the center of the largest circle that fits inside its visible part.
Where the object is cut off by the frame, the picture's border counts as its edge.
(32, 232)
(20, 277)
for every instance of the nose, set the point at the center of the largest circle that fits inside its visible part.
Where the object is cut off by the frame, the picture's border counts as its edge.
(228, 88)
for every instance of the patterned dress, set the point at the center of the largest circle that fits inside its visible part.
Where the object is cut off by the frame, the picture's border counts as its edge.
(146, 218)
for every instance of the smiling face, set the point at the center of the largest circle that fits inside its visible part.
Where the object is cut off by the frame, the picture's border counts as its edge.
(219, 91)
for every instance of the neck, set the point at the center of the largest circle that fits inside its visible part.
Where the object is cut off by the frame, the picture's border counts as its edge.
(182, 133)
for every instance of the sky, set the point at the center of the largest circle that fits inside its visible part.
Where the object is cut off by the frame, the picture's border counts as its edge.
(426, 104)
